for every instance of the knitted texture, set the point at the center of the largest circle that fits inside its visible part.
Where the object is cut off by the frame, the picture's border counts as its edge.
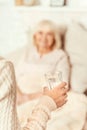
(8, 115)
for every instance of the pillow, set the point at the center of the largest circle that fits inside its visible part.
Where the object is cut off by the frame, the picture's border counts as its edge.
(76, 47)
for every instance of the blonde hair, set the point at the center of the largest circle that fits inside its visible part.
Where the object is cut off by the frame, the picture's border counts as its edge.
(52, 28)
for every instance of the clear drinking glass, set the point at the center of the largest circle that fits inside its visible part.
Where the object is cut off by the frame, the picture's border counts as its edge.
(53, 79)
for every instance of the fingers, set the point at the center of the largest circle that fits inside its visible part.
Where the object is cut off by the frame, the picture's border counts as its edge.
(58, 94)
(62, 98)
(61, 101)
(62, 85)
(64, 91)
(61, 90)
(45, 89)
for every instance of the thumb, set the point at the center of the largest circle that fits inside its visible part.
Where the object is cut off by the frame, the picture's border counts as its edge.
(45, 89)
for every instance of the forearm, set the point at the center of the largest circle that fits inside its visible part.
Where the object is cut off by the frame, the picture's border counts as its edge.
(23, 97)
(36, 95)
(40, 114)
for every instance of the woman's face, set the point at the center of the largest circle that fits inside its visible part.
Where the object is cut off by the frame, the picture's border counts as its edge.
(44, 38)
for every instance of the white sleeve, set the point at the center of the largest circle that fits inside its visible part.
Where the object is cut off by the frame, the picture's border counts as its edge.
(6, 78)
(40, 114)
(64, 67)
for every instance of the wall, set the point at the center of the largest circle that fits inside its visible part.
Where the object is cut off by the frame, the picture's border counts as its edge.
(16, 21)
(12, 34)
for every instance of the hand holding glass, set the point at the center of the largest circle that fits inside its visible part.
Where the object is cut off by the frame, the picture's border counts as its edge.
(53, 79)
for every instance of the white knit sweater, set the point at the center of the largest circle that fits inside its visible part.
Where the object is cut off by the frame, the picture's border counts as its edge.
(31, 70)
(8, 115)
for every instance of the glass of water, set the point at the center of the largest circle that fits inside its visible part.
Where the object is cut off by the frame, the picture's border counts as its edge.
(53, 79)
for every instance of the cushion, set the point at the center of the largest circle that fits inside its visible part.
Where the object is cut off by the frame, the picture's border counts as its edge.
(76, 47)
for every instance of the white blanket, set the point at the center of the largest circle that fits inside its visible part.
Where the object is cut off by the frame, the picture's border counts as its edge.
(71, 116)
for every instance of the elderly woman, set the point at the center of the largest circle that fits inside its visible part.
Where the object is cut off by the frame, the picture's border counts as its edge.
(46, 56)
(41, 113)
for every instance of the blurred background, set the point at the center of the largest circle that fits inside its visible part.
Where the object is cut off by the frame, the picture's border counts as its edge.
(17, 17)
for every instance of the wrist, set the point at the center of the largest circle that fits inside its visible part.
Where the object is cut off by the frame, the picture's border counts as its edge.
(48, 102)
